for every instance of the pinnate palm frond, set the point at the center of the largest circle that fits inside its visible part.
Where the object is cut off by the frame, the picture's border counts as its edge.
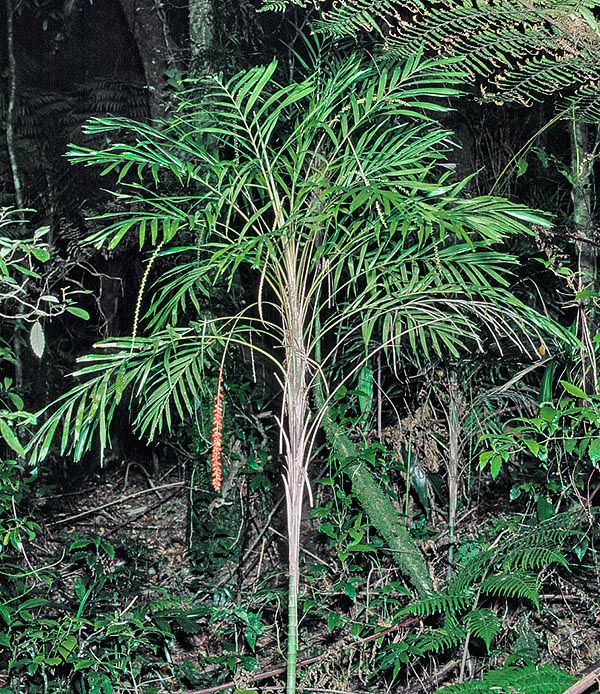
(332, 186)
(161, 378)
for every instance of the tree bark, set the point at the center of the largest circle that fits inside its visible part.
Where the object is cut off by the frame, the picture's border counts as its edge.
(582, 195)
(12, 104)
(155, 47)
(202, 31)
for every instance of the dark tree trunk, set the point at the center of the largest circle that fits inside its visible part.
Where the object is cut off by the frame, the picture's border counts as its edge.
(583, 153)
(150, 31)
(12, 102)
(201, 28)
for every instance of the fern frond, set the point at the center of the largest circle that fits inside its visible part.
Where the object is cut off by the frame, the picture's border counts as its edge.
(513, 561)
(517, 584)
(483, 624)
(546, 679)
(282, 5)
(348, 19)
(450, 635)
(535, 557)
(442, 602)
(585, 103)
(543, 76)
(125, 96)
(518, 51)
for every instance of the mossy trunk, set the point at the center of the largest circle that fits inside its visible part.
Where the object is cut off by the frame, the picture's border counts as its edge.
(201, 28)
(376, 504)
(584, 143)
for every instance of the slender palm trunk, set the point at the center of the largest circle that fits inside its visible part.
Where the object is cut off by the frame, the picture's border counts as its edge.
(297, 413)
(453, 414)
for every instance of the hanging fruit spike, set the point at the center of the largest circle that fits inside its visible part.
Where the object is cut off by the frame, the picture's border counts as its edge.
(217, 437)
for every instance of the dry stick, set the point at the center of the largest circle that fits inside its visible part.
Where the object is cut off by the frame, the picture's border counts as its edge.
(252, 547)
(320, 690)
(309, 661)
(264, 531)
(586, 682)
(437, 677)
(115, 502)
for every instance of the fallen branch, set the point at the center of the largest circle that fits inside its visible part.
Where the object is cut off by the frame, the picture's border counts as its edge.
(115, 502)
(586, 682)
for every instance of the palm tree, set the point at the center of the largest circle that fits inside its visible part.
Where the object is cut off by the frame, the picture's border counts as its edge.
(335, 193)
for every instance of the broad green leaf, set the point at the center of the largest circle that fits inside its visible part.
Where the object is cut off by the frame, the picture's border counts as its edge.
(37, 340)
(575, 391)
(40, 254)
(333, 621)
(496, 465)
(79, 312)
(10, 438)
(67, 646)
(594, 451)
(5, 614)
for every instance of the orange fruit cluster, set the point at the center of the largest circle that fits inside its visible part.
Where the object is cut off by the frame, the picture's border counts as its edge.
(217, 437)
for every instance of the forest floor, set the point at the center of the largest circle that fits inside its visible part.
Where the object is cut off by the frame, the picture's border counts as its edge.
(143, 514)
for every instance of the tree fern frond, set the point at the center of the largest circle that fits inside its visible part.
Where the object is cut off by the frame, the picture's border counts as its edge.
(486, 35)
(519, 52)
(543, 76)
(348, 19)
(282, 5)
(585, 103)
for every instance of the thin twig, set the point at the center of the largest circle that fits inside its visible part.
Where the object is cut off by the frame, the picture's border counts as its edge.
(146, 510)
(435, 679)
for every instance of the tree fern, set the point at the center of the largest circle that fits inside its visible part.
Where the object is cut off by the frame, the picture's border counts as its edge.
(518, 51)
